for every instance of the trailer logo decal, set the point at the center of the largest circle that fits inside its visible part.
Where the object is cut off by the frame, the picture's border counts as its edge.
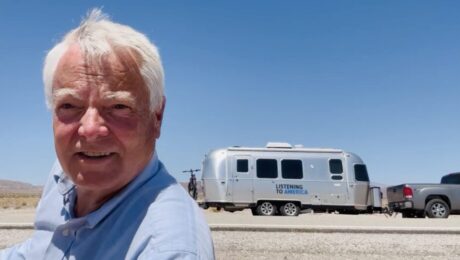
(290, 189)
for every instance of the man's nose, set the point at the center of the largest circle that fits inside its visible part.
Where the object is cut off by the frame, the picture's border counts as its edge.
(92, 125)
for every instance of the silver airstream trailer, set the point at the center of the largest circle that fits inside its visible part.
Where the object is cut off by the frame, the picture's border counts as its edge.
(284, 179)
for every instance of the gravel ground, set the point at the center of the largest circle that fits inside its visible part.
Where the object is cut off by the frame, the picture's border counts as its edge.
(280, 245)
(287, 245)
(304, 245)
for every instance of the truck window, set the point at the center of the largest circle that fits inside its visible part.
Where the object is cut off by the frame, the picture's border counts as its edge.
(267, 168)
(335, 166)
(242, 165)
(361, 172)
(291, 169)
(451, 179)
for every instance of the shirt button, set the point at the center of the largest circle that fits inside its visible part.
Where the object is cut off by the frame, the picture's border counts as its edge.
(65, 232)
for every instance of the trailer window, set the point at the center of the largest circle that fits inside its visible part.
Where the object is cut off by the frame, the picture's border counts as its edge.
(291, 169)
(335, 166)
(336, 177)
(242, 165)
(267, 168)
(361, 172)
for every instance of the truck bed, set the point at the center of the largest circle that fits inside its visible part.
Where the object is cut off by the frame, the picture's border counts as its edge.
(395, 193)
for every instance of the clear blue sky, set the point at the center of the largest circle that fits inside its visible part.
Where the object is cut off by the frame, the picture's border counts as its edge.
(377, 78)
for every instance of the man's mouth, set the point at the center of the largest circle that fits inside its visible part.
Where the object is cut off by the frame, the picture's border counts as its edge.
(94, 155)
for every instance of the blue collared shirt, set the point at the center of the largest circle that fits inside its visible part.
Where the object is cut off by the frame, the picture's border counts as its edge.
(151, 218)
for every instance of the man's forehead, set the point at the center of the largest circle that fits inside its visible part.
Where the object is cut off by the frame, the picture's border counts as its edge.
(73, 54)
(118, 72)
(119, 62)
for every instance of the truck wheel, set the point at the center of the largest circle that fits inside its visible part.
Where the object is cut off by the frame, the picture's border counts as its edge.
(289, 209)
(254, 211)
(266, 208)
(437, 208)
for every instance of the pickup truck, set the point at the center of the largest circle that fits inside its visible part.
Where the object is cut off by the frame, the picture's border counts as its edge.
(432, 200)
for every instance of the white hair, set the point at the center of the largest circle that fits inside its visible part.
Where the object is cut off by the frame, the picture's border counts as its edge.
(98, 36)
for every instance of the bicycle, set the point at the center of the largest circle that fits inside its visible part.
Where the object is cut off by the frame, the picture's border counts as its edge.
(192, 184)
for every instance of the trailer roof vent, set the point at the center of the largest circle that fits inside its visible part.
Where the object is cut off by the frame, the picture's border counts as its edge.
(278, 145)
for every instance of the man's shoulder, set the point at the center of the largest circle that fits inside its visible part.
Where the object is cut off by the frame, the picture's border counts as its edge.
(173, 207)
(174, 223)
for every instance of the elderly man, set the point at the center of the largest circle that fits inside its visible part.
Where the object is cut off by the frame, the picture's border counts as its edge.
(109, 197)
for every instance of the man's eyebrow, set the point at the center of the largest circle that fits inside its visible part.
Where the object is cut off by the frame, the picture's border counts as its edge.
(64, 92)
(125, 96)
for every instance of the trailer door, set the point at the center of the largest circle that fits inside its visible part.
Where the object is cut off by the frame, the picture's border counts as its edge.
(242, 179)
(361, 188)
(336, 193)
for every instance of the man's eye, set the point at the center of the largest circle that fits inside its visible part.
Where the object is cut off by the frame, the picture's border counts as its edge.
(120, 110)
(66, 106)
(66, 111)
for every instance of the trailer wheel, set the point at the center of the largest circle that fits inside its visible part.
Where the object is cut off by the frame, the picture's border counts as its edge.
(266, 208)
(289, 209)
(437, 208)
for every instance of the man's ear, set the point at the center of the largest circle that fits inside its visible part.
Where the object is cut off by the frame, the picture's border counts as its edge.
(158, 114)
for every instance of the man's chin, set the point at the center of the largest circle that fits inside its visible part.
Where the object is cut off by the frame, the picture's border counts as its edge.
(94, 176)
(96, 181)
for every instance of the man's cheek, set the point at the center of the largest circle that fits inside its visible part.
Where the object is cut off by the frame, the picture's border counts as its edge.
(123, 124)
(63, 131)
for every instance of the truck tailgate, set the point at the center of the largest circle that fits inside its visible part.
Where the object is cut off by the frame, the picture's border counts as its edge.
(395, 193)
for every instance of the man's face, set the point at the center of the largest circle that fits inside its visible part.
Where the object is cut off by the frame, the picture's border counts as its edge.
(104, 131)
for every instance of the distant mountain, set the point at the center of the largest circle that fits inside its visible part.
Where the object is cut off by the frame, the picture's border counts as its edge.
(17, 187)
